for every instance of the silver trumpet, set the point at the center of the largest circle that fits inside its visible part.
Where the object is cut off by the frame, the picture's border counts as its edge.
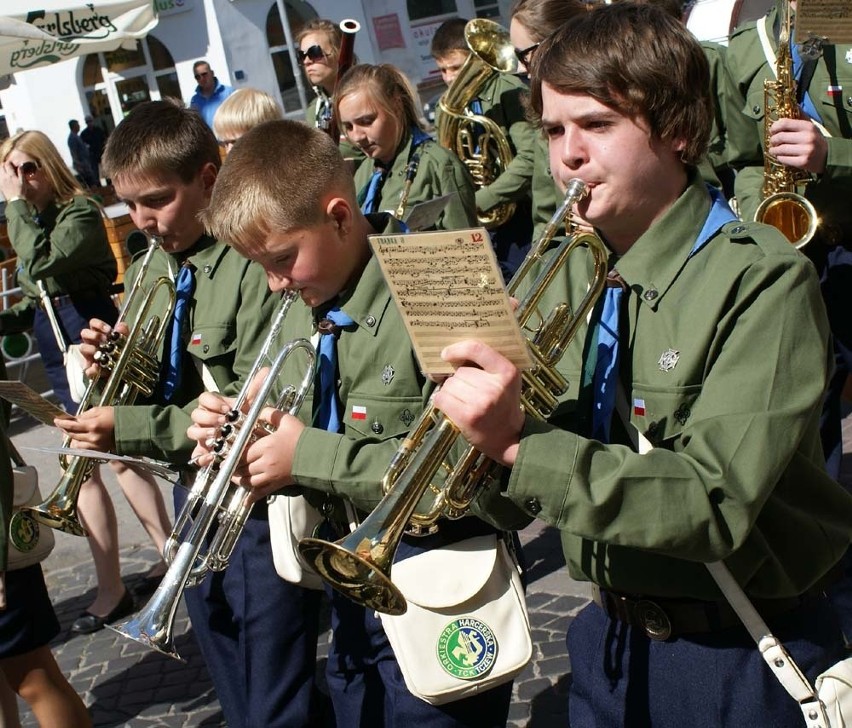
(213, 502)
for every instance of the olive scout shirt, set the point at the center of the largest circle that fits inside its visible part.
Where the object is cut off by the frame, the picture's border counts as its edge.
(229, 315)
(830, 90)
(724, 364)
(439, 172)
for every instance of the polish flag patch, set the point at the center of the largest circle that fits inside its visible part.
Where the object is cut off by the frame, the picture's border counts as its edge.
(195, 340)
(639, 407)
(834, 90)
(359, 412)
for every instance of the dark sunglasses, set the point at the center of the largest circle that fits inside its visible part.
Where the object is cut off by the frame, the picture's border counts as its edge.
(199, 76)
(315, 53)
(28, 169)
(524, 55)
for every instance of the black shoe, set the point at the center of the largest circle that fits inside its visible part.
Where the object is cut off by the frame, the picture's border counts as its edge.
(87, 622)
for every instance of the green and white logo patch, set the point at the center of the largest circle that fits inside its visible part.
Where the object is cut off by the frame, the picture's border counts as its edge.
(23, 531)
(467, 648)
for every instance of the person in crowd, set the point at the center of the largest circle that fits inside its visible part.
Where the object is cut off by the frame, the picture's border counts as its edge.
(500, 99)
(319, 43)
(257, 633)
(689, 433)
(94, 137)
(209, 93)
(58, 234)
(81, 156)
(815, 146)
(308, 232)
(404, 165)
(27, 625)
(243, 110)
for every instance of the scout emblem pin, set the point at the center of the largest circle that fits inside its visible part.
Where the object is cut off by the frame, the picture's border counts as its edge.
(467, 648)
(668, 360)
(387, 374)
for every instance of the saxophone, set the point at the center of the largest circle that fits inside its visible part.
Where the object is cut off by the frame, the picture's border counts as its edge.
(781, 205)
(477, 140)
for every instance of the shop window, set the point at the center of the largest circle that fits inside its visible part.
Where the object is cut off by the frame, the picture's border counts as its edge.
(424, 9)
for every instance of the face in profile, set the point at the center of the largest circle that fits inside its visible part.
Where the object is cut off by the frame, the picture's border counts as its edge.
(318, 60)
(370, 125)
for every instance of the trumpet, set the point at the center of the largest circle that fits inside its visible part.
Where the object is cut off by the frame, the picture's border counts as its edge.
(213, 503)
(132, 368)
(359, 565)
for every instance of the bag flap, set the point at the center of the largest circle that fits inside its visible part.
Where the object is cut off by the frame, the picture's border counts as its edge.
(448, 575)
(26, 484)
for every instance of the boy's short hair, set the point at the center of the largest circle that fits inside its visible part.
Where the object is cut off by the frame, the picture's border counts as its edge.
(449, 37)
(275, 180)
(160, 137)
(651, 66)
(243, 110)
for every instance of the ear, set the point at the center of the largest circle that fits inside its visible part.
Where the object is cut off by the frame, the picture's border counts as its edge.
(339, 211)
(207, 175)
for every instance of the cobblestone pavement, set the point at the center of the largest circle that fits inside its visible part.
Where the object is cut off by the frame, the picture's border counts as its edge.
(126, 684)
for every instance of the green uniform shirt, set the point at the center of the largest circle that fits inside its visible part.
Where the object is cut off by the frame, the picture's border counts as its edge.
(724, 366)
(438, 173)
(829, 90)
(229, 315)
(68, 250)
(545, 195)
(7, 488)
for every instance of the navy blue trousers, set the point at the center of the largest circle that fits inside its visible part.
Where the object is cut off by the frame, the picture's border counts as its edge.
(622, 679)
(366, 683)
(73, 317)
(257, 633)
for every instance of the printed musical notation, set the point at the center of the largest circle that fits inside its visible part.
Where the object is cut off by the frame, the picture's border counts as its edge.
(828, 19)
(31, 401)
(449, 288)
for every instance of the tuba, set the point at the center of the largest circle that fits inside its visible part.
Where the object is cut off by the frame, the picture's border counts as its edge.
(132, 368)
(477, 140)
(781, 205)
(214, 506)
(359, 565)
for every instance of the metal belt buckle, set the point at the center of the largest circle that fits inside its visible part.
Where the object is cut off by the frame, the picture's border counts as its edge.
(653, 619)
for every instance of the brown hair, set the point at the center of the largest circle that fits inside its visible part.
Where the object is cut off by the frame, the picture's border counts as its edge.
(651, 66)
(320, 25)
(672, 7)
(41, 149)
(449, 37)
(160, 137)
(389, 87)
(541, 18)
(274, 180)
(243, 110)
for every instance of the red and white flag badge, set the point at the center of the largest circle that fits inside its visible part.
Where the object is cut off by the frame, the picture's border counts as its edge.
(359, 412)
(834, 90)
(195, 340)
(639, 407)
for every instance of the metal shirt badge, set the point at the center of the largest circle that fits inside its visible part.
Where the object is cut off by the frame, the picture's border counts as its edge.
(668, 360)
(387, 374)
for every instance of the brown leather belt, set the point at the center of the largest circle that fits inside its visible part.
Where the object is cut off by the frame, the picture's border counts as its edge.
(663, 617)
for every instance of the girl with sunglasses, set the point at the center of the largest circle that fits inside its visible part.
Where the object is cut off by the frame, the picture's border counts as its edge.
(58, 234)
(377, 111)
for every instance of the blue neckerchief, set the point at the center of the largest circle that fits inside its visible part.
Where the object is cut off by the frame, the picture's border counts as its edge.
(719, 215)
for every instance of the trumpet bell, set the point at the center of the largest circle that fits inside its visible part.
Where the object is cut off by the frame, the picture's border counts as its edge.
(792, 214)
(60, 515)
(357, 577)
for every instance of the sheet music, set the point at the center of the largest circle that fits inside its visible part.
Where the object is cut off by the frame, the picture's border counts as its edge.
(830, 19)
(425, 214)
(31, 401)
(449, 288)
(157, 467)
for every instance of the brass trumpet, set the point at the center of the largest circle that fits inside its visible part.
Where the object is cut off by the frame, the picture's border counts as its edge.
(132, 368)
(359, 564)
(213, 503)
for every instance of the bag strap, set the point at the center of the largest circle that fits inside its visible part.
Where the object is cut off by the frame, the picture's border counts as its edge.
(772, 651)
(13, 451)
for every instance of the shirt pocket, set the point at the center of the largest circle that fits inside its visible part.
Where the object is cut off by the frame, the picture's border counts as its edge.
(835, 100)
(377, 417)
(754, 103)
(211, 341)
(662, 414)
